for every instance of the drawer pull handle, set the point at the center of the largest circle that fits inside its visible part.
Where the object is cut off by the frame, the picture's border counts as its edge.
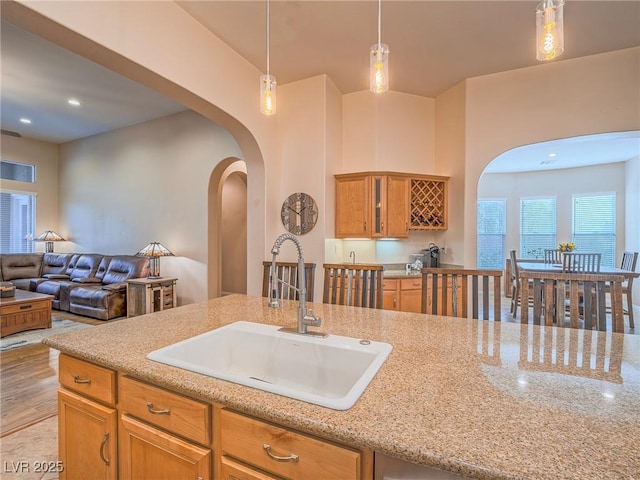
(166, 411)
(291, 458)
(77, 379)
(102, 445)
(25, 307)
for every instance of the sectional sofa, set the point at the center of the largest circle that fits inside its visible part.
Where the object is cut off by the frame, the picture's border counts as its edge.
(88, 284)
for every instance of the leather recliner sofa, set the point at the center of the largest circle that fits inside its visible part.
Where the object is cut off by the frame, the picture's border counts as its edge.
(59, 274)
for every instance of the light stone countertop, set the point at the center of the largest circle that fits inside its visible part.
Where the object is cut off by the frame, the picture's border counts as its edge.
(488, 400)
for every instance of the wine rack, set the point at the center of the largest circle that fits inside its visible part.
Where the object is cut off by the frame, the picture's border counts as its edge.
(428, 204)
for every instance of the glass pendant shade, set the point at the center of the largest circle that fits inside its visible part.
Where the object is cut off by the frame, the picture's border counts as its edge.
(268, 94)
(379, 68)
(549, 30)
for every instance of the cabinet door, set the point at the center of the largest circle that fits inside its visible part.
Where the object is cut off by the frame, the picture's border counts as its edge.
(411, 295)
(148, 453)
(378, 206)
(86, 438)
(230, 470)
(397, 207)
(390, 294)
(353, 207)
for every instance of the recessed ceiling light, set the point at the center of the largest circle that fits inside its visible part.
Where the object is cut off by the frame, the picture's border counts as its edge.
(74, 102)
(552, 155)
(25, 120)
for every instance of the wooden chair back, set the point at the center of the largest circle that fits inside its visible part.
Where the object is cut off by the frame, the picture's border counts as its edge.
(573, 262)
(288, 272)
(552, 256)
(629, 261)
(446, 291)
(353, 285)
(583, 295)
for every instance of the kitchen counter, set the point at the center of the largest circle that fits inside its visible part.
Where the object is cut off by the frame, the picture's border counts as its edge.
(487, 400)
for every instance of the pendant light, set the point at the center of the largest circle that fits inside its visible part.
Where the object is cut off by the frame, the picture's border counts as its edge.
(268, 83)
(379, 62)
(549, 29)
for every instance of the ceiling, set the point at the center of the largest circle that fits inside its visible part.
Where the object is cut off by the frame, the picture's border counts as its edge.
(433, 45)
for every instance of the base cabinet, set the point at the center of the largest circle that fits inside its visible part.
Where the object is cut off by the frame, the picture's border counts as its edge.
(404, 295)
(87, 438)
(149, 453)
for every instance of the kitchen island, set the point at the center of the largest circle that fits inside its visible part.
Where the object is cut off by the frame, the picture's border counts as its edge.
(486, 400)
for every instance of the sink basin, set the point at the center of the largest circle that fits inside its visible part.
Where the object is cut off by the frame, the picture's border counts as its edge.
(332, 371)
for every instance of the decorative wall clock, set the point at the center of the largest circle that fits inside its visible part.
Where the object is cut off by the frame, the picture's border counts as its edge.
(299, 213)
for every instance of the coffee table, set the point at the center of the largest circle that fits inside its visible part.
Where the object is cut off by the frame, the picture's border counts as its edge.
(24, 311)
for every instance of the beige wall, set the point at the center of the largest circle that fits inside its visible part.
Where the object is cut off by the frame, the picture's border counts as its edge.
(149, 182)
(561, 184)
(234, 233)
(159, 45)
(44, 156)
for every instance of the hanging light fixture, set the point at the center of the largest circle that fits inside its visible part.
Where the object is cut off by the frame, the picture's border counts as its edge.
(379, 62)
(549, 29)
(268, 83)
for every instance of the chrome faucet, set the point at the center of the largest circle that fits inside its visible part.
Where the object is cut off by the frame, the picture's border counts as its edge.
(305, 317)
(353, 254)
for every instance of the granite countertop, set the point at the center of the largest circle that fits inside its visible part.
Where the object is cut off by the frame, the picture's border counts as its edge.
(488, 400)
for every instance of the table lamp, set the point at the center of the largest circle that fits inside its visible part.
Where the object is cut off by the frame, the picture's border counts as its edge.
(154, 251)
(49, 236)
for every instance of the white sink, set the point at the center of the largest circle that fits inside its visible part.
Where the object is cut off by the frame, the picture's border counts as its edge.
(332, 371)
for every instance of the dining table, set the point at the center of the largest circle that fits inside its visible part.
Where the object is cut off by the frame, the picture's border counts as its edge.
(557, 267)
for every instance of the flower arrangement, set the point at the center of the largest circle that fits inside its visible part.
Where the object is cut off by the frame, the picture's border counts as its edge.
(566, 246)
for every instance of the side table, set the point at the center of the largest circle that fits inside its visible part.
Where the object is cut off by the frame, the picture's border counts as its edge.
(148, 295)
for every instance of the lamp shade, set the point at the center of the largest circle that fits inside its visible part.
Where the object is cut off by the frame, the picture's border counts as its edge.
(154, 251)
(49, 236)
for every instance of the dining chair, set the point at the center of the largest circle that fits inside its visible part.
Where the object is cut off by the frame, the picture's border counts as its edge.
(354, 285)
(446, 291)
(629, 260)
(515, 284)
(556, 294)
(552, 256)
(287, 272)
(573, 262)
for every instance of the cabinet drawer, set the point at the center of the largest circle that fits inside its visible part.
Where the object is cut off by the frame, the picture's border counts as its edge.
(389, 284)
(174, 412)
(89, 379)
(410, 283)
(258, 443)
(231, 470)
(24, 307)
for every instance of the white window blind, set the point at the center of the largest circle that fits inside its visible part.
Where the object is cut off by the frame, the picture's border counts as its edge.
(537, 226)
(20, 172)
(594, 225)
(491, 232)
(17, 222)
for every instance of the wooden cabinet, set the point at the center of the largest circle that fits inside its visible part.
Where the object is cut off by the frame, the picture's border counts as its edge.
(429, 204)
(390, 294)
(265, 447)
(149, 453)
(87, 428)
(163, 435)
(402, 294)
(389, 204)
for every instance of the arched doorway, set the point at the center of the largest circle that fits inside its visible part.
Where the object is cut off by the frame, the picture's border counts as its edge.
(234, 231)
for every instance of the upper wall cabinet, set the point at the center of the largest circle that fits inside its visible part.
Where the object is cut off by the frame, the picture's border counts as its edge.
(389, 204)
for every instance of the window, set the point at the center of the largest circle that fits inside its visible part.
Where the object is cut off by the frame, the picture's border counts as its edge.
(17, 211)
(594, 225)
(17, 171)
(537, 226)
(491, 232)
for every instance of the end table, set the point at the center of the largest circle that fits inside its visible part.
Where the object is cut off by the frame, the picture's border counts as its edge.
(148, 295)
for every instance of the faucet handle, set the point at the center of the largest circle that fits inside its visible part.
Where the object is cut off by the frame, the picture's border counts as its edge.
(311, 320)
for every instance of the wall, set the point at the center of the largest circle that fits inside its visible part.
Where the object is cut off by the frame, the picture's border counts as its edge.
(149, 182)
(581, 96)
(44, 156)
(561, 184)
(234, 233)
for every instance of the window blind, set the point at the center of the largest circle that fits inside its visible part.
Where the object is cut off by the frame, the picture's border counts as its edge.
(537, 226)
(491, 233)
(594, 225)
(17, 222)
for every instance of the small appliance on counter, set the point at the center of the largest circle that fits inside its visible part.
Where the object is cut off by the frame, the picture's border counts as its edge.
(431, 256)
